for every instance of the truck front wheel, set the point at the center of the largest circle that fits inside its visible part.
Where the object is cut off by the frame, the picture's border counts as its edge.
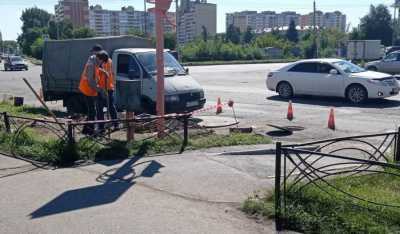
(76, 104)
(148, 106)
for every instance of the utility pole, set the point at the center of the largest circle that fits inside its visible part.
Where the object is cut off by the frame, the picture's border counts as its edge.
(396, 16)
(1, 43)
(177, 25)
(145, 18)
(315, 30)
(160, 10)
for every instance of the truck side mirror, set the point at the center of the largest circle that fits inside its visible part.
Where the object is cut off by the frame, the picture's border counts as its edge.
(187, 71)
(134, 74)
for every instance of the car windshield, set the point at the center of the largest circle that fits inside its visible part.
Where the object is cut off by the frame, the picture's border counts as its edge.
(349, 67)
(171, 66)
(16, 59)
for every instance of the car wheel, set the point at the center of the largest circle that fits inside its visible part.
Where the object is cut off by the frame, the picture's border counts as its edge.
(357, 94)
(285, 90)
(372, 68)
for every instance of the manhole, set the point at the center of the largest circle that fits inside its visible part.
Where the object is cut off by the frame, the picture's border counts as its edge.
(279, 133)
(294, 128)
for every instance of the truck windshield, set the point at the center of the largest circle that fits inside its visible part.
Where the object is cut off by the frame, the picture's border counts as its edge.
(349, 67)
(171, 66)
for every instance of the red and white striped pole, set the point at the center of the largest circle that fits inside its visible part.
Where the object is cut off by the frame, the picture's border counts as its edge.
(161, 7)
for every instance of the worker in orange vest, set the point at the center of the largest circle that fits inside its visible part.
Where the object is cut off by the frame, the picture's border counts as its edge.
(106, 83)
(89, 86)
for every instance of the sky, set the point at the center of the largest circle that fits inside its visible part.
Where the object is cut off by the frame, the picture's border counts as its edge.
(10, 10)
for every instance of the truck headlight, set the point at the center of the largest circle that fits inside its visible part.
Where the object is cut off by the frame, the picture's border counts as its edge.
(172, 98)
(201, 94)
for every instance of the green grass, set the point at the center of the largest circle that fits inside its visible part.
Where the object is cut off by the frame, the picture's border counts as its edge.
(41, 146)
(205, 63)
(35, 61)
(45, 149)
(315, 211)
(27, 111)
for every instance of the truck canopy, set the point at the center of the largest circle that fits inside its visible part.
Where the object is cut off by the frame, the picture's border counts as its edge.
(64, 60)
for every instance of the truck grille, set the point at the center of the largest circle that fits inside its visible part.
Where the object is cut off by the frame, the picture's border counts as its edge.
(190, 96)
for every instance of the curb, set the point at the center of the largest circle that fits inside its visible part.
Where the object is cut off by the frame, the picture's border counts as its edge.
(262, 152)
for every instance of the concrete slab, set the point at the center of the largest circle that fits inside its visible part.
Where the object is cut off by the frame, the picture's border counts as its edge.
(190, 193)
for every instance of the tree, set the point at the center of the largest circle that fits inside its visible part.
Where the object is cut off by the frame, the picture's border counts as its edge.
(37, 48)
(355, 34)
(34, 25)
(136, 32)
(204, 33)
(292, 34)
(34, 18)
(83, 32)
(233, 34)
(170, 41)
(27, 38)
(10, 47)
(377, 25)
(60, 30)
(248, 35)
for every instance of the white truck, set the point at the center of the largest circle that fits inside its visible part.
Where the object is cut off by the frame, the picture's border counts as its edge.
(364, 50)
(134, 68)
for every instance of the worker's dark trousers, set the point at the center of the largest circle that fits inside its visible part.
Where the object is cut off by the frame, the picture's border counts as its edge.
(101, 103)
(91, 114)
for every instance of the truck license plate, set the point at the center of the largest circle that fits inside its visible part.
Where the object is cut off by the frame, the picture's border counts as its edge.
(192, 104)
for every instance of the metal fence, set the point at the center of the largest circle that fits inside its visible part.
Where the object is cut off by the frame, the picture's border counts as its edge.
(317, 164)
(71, 131)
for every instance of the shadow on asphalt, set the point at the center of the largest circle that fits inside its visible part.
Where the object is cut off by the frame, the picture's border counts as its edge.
(115, 183)
(339, 102)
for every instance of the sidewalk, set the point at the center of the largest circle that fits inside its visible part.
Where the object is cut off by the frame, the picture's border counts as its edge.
(196, 192)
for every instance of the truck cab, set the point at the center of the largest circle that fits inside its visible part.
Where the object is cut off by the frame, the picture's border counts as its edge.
(136, 82)
(134, 64)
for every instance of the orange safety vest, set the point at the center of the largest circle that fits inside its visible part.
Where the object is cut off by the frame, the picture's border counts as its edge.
(107, 82)
(84, 86)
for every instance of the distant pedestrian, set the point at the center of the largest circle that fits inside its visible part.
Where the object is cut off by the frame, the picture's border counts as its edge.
(89, 86)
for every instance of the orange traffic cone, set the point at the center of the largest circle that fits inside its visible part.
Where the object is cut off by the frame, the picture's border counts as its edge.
(219, 106)
(331, 121)
(290, 111)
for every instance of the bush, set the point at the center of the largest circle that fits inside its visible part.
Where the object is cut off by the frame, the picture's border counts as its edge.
(37, 48)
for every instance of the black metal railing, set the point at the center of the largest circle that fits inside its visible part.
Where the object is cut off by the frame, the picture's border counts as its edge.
(319, 163)
(71, 131)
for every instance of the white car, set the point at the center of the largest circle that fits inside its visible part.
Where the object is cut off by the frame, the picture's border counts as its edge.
(331, 77)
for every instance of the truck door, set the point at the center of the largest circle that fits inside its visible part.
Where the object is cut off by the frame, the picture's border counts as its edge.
(129, 83)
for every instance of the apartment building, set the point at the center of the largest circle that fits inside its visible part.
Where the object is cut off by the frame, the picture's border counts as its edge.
(335, 20)
(286, 17)
(119, 22)
(76, 11)
(193, 16)
(266, 20)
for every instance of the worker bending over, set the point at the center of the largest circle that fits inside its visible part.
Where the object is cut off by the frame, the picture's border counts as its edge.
(89, 86)
(106, 83)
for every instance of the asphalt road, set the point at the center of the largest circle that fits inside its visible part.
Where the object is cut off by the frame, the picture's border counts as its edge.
(255, 106)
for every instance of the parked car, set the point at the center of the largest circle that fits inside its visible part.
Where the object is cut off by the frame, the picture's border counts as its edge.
(331, 77)
(389, 64)
(15, 63)
(391, 49)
